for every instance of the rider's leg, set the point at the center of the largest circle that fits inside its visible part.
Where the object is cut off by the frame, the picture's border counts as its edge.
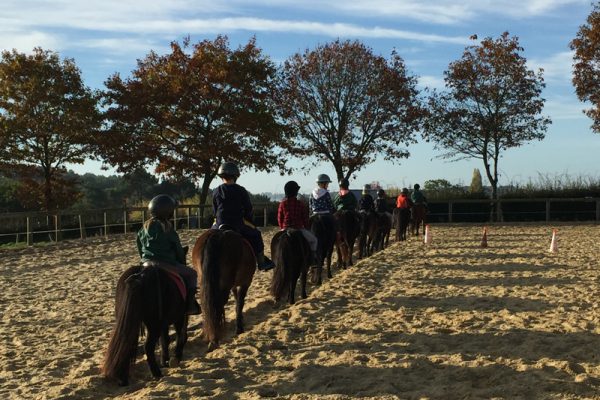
(190, 277)
(254, 237)
(312, 243)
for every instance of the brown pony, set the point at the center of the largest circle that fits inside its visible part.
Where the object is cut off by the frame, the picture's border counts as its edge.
(291, 254)
(418, 214)
(348, 223)
(149, 296)
(224, 262)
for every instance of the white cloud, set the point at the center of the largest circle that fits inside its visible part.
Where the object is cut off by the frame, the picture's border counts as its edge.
(25, 41)
(558, 68)
(120, 46)
(432, 82)
(431, 11)
(564, 107)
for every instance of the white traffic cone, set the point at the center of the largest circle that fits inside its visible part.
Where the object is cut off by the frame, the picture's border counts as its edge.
(554, 242)
(427, 236)
(484, 238)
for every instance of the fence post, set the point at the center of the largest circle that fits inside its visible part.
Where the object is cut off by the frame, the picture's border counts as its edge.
(547, 210)
(105, 225)
(125, 221)
(265, 216)
(450, 206)
(57, 227)
(81, 228)
(143, 216)
(189, 212)
(198, 215)
(29, 236)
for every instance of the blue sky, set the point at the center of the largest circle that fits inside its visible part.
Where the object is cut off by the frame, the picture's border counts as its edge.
(108, 36)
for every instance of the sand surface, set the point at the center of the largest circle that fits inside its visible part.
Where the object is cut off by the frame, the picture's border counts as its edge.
(449, 320)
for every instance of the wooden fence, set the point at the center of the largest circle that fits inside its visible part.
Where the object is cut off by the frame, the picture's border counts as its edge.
(33, 227)
(43, 227)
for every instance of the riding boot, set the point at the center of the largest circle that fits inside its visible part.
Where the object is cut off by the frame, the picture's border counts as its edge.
(192, 306)
(263, 262)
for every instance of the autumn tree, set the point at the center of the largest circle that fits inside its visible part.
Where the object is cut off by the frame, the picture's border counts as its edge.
(186, 112)
(47, 119)
(347, 106)
(586, 66)
(492, 103)
(476, 186)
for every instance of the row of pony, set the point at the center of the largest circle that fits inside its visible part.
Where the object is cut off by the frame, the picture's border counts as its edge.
(149, 297)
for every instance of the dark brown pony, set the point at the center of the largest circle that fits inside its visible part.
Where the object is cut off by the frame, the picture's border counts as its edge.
(145, 296)
(225, 262)
(382, 232)
(401, 222)
(348, 223)
(368, 229)
(291, 255)
(323, 227)
(418, 215)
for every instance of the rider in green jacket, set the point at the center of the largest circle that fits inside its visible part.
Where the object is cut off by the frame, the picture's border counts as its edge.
(345, 199)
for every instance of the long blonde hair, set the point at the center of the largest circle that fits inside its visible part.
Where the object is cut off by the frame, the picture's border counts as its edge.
(165, 225)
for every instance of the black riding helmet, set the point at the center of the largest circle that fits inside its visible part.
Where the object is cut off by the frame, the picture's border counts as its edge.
(229, 169)
(162, 206)
(344, 184)
(417, 186)
(291, 189)
(323, 178)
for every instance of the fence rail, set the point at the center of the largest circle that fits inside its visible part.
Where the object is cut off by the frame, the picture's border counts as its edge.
(30, 227)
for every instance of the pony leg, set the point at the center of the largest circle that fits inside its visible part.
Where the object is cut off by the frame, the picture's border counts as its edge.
(149, 347)
(240, 297)
(303, 276)
(329, 265)
(181, 332)
(164, 345)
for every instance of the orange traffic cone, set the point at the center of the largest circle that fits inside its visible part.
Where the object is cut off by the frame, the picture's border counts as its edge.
(554, 242)
(427, 236)
(484, 238)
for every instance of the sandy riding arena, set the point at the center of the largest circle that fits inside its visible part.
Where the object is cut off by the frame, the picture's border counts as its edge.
(448, 320)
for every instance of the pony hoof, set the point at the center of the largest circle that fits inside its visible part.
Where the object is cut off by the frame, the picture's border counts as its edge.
(174, 362)
(211, 346)
(239, 330)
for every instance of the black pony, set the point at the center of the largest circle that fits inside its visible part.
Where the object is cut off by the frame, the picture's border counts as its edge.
(368, 230)
(401, 221)
(291, 255)
(382, 232)
(323, 227)
(149, 296)
(348, 223)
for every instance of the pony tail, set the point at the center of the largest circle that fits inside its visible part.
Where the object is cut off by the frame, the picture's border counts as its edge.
(211, 296)
(122, 348)
(281, 275)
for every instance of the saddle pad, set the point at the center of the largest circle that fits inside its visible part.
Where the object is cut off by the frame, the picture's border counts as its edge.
(175, 277)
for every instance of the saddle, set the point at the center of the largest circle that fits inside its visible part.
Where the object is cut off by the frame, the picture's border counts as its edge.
(174, 276)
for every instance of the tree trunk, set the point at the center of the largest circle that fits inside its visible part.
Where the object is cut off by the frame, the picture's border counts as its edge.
(48, 188)
(207, 180)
